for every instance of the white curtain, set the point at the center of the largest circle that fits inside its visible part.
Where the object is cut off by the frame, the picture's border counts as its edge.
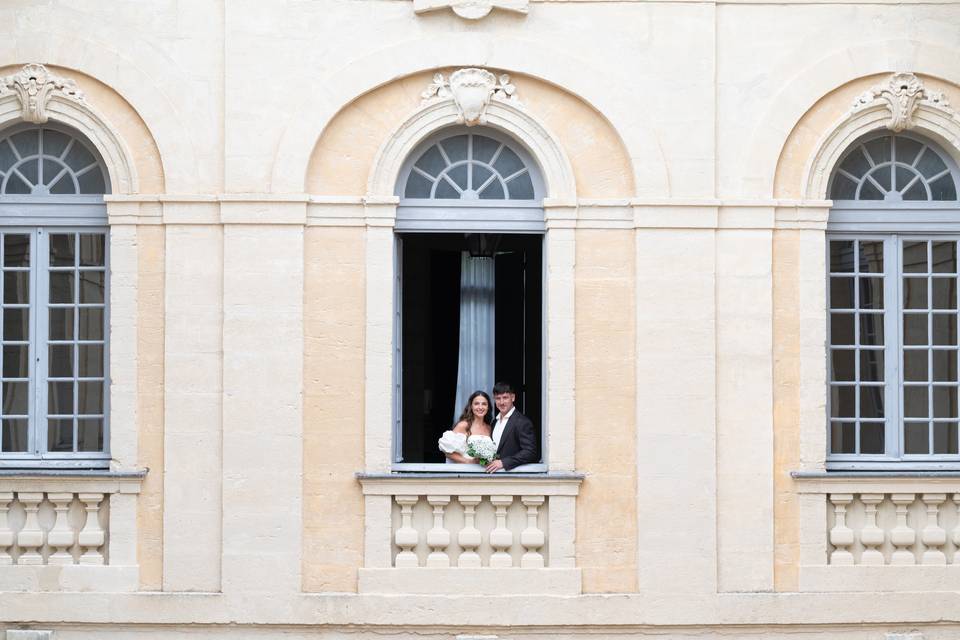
(475, 365)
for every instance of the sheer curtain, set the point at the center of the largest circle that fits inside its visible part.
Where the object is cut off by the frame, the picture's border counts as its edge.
(475, 364)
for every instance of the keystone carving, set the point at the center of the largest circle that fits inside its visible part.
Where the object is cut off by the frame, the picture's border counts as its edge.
(471, 90)
(471, 9)
(902, 94)
(33, 86)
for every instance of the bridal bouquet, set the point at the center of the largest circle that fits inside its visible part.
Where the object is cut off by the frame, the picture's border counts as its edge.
(482, 449)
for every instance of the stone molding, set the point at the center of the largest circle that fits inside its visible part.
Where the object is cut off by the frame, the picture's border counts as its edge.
(472, 90)
(901, 94)
(34, 85)
(471, 9)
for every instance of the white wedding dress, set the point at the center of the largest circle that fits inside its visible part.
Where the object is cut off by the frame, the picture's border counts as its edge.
(454, 442)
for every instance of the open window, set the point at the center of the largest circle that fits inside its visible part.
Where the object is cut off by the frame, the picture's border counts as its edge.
(469, 284)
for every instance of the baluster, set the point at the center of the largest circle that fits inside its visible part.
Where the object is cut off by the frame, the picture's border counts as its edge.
(902, 536)
(91, 536)
(406, 536)
(501, 538)
(532, 538)
(6, 531)
(438, 538)
(956, 530)
(841, 536)
(469, 537)
(933, 536)
(871, 536)
(61, 535)
(30, 538)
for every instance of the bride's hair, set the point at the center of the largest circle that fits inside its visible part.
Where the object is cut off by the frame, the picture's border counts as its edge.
(467, 414)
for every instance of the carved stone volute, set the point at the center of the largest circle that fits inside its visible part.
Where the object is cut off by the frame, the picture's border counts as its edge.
(902, 94)
(34, 85)
(472, 90)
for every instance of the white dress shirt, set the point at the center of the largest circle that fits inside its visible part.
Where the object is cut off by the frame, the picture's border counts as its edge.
(500, 425)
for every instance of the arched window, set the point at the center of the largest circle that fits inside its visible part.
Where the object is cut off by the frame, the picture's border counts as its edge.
(54, 292)
(470, 230)
(893, 306)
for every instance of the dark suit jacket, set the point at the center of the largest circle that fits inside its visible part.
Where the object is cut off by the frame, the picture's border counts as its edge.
(518, 444)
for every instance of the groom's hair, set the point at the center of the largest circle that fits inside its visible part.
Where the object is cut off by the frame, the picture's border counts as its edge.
(503, 387)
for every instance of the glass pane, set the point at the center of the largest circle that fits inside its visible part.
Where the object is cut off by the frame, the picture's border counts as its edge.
(916, 402)
(843, 188)
(945, 437)
(90, 398)
(54, 142)
(915, 328)
(945, 328)
(944, 365)
(459, 175)
(60, 435)
(456, 148)
(16, 287)
(417, 186)
(78, 157)
(843, 365)
(945, 402)
(904, 177)
(15, 398)
(60, 360)
(90, 434)
(871, 329)
(91, 182)
(91, 361)
(51, 170)
(930, 163)
(521, 187)
(906, 150)
(915, 293)
(16, 186)
(943, 189)
(915, 365)
(91, 324)
(944, 293)
(63, 186)
(30, 170)
(871, 293)
(879, 149)
(917, 191)
(14, 438)
(493, 191)
(841, 293)
(446, 191)
(856, 163)
(843, 402)
(871, 402)
(431, 162)
(62, 249)
(871, 365)
(61, 324)
(92, 249)
(15, 324)
(16, 360)
(62, 287)
(871, 256)
(484, 148)
(871, 437)
(480, 175)
(16, 250)
(508, 163)
(7, 157)
(60, 398)
(92, 287)
(27, 142)
(944, 257)
(841, 328)
(843, 437)
(915, 257)
(916, 437)
(841, 256)
(882, 178)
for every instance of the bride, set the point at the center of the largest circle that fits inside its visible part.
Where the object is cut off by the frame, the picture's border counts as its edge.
(474, 424)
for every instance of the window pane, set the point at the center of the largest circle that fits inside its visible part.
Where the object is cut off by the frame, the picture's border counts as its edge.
(90, 400)
(915, 293)
(92, 182)
(508, 163)
(871, 256)
(871, 402)
(54, 143)
(78, 157)
(917, 191)
(916, 402)
(60, 361)
(915, 365)
(945, 402)
(843, 188)
(484, 148)
(841, 293)
(446, 191)
(92, 287)
(62, 287)
(879, 149)
(915, 257)
(944, 366)
(60, 398)
(883, 178)
(7, 157)
(91, 361)
(841, 328)
(871, 437)
(459, 175)
(63, 186)
(60, 435)
(16, 361)
(871, 293)
(904, 177)
(843, 437)
(944, 257)
(61, 324)
(92, 249)
(15, 398)
(16, 186)
(843, 402)
(90, 434)
(91, 324)
(943, 189)
(51, 170)
(855, 163)
(916, 437)
(27, 142)
(493, 191)
(930, 163)
(456, 148)
(480, 175)
(62, 249)
(417, 186)
(16, 287)
(431, 162)
(521, 187)
(869, 191)
(944, 293)
(14, 437)
(843, 365)
(945, 328)
(16, 250)
(841, 256)
(15, 324)
(871, 329)
(945, 437)
(906, 150)
(871, 365)
(915, 328)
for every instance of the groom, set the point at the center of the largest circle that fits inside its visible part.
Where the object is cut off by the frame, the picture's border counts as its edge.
(512, 433)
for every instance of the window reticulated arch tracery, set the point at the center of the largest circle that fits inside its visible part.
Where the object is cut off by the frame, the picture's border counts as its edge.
(41, 161)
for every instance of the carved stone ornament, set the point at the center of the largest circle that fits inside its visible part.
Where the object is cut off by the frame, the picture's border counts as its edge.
(471, 90)
(901, 94)
(34, 86)
(471, 9)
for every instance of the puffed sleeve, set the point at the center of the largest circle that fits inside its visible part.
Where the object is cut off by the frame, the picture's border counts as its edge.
(453, 442)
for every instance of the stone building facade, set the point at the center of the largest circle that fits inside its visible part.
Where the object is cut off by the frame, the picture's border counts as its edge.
(207, 373)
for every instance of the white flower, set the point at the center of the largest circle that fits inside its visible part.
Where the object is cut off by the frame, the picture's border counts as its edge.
(482, 448)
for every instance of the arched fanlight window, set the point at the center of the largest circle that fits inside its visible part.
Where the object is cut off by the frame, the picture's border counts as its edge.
(894, 168)
(43, 161)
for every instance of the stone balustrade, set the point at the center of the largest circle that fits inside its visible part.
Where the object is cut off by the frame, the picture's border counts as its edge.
(512, 533)
(53, 527)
